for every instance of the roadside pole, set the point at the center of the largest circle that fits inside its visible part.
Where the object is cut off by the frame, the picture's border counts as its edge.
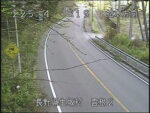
(8, 30)
(145, 22)
(19, 62)
(92, 11)
(17, 40)
(118, 18)
(131, 21)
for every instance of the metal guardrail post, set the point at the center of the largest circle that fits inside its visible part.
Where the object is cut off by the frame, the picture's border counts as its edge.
(144, 68)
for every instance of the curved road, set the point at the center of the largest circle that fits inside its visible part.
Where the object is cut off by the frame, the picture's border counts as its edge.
(78, 70)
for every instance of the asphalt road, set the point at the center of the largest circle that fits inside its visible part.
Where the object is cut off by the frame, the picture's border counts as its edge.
(79, 71)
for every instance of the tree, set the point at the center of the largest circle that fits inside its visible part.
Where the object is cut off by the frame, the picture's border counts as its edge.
(118, 18)
(145, 22)
(100, 7)
(131, 20)
(139, 21)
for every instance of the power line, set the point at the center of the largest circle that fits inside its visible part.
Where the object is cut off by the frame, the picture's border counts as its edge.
(68, 68)
(55, 69)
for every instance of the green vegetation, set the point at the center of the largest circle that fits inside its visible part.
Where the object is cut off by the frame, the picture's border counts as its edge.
(124, 22)
(30, 34)
(91, 26)
(25, 98)
(95, 26)
(101, 45)
(81, 1)
(103, 5)
(124, 25)
(110, 33)
(136, 48)
(104, 48)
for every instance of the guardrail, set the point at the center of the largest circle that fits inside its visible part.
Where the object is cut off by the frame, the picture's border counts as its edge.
(130, 60)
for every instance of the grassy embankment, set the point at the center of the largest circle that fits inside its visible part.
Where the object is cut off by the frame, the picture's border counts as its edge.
(23, 99)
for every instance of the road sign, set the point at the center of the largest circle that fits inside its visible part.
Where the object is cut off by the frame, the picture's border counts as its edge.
(11, 50)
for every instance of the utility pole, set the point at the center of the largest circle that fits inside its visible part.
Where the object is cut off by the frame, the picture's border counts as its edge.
(19, 62)
(98, 3)
(100, 7)
(118, 18)
(131, 20)
(17, 40)
(8, 29)
(115, 4)
(92, 11)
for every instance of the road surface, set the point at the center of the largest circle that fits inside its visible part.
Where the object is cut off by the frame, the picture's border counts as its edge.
(79, 71)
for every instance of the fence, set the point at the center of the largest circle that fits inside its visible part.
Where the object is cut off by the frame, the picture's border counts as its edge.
(130, 60)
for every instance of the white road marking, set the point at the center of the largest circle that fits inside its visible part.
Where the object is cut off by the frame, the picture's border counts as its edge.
(48, 73)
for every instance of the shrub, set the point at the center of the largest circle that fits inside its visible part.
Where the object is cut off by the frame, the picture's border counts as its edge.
(136, 47)
(122, 39)
(110, 33)
(136, 43)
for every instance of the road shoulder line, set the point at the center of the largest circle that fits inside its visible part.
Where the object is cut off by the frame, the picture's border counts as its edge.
(48, 73)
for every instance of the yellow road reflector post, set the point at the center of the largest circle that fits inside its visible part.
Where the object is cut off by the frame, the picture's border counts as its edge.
(11, 50)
